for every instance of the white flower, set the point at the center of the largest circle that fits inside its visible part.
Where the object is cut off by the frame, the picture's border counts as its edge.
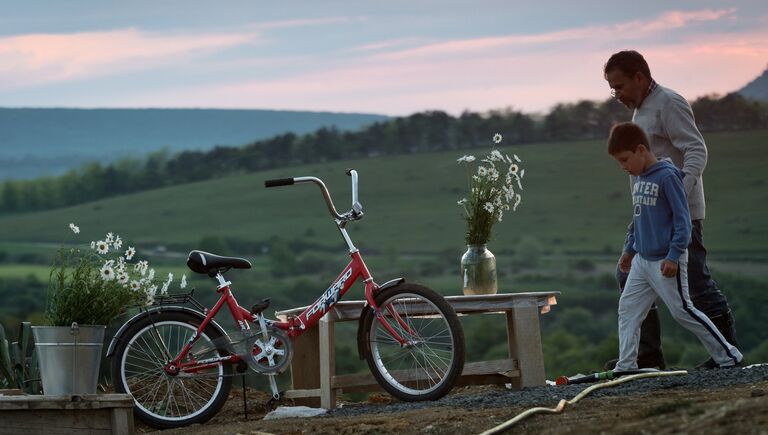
(476, 178)
(493, 173)
(496, 156)
(110, 238)
(151, 275)
(183, 281)
(522, 173)
(482, 171)
(497, 138)
(93, 245)
(102, 247)
(462, 201)
(517, 159)
(488, 207)
(135, 285)
(517, 201)
(75, 229)
(513, 169)
(122, 278)
(129, 253)
(107, 274)
(118, 243)
(466, 158)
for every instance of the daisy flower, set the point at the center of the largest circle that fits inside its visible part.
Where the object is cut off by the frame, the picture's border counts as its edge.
(107, 274)
(183, 281)
(118, 243)
(102, 247)
(466, 159)
(497, 138)
(129, 253)
(122, 278)
(488, 207)
(135, 285)
(482, 171)
(75, 229)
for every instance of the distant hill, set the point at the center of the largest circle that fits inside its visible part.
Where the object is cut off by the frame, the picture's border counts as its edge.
(757, 89)
(35, 142)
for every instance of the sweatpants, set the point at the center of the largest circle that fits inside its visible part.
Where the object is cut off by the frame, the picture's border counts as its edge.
(644, 284)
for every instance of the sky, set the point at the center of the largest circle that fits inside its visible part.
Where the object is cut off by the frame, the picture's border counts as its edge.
(395, 57)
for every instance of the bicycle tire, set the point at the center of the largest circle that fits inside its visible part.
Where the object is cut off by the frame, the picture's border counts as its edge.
(438, 343)
(161, 400)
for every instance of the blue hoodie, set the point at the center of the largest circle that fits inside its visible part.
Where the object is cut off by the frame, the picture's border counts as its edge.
(662, 223)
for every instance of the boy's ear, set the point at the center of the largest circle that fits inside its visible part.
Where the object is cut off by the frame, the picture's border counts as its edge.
(642, 147)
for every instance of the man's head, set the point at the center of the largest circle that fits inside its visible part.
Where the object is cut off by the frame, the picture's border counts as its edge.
(628, 144)
(628, 76)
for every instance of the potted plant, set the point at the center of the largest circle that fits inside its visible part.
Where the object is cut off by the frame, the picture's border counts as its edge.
(494, 185)
(88, 288)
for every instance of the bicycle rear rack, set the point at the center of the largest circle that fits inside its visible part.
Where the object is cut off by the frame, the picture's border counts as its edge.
(177, 299)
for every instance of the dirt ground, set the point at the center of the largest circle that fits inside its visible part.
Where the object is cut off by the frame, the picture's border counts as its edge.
(736, 410)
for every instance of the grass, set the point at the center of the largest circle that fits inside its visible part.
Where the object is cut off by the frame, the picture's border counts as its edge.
(575, 200)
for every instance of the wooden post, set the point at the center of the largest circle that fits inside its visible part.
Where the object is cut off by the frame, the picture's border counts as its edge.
(524, 337)
(327, 363)
(305, 366)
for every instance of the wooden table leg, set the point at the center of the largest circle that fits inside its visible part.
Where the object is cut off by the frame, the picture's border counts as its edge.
(524, 338)
(327, 363)
(305, 366)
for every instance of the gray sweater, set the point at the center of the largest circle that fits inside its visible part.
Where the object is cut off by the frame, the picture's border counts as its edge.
(667, 119)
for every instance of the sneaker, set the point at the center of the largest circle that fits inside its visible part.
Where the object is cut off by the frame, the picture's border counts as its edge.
(707, 365)
(734, 366)
(611, 364)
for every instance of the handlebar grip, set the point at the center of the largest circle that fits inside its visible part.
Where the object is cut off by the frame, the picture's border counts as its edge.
(278, 182)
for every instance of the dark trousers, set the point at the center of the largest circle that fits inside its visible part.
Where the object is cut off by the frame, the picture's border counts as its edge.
(705, 295)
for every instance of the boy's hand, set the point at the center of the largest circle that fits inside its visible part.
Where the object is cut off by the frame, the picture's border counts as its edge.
(625, 262)
(668, 268)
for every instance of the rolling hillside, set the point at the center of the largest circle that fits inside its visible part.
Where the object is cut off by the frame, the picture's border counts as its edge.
(575, 199)
(36, 142)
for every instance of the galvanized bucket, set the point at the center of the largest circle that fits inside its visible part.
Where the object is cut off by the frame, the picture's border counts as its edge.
(69, 358)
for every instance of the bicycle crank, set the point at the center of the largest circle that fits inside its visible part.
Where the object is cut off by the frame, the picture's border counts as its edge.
(270, 352)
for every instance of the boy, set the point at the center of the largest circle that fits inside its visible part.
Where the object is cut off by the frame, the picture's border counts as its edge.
(660, 235)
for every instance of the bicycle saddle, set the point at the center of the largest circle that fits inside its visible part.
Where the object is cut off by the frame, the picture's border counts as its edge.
(211, 264)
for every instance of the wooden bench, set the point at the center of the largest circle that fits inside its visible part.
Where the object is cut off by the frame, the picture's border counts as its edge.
(66, 415)
(313, 373)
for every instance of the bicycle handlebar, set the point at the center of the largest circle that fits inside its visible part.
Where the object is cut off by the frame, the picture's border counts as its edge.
(357, 208)
(278, 182)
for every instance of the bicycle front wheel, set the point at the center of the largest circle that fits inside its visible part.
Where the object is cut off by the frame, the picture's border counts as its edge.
(426, 366)
(164, 400)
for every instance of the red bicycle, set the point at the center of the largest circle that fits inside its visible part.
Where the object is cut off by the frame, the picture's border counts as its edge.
(178, 363)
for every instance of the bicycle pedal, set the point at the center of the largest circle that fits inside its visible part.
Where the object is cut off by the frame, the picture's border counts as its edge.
(260, 306)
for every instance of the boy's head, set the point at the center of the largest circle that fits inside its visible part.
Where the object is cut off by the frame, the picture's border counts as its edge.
(628, 144)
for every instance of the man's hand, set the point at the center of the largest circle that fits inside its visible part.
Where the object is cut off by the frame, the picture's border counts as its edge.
(625, 262)
(668, 268)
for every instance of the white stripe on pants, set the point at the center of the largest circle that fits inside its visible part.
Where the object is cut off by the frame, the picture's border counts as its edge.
(644, 283)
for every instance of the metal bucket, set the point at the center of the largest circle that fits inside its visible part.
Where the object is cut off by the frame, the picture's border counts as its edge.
(69, 358)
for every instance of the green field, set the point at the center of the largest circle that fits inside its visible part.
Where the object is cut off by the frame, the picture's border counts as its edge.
(565, 236)
(575, 199)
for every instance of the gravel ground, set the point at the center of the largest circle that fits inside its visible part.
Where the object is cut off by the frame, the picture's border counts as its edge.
(551, 395)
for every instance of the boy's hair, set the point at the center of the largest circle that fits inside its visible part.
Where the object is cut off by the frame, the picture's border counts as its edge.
(626, 136)
(629, 62)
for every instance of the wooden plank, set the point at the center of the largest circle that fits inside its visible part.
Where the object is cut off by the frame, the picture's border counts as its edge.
(327, 363)
(305, 366)
(301, 394)
(360, 381)
(524, 338)
(464, 304)
(121, 421)
(87, 401)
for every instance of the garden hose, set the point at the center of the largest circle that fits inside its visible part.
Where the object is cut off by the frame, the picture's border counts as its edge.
(561, 406)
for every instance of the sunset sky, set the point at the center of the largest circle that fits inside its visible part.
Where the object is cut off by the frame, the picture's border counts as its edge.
(395, 57)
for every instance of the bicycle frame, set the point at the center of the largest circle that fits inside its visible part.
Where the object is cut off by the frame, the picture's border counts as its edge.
(297, 325)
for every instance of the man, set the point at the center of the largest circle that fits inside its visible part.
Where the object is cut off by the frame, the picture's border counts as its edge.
(667, 119)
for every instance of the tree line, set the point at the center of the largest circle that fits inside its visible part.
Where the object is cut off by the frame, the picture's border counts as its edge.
(420, 132)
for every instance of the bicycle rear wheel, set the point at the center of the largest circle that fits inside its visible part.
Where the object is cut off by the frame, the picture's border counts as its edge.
(426, 367)
(163, 400)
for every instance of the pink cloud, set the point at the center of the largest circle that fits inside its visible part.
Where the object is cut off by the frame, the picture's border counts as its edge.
(37, 58)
